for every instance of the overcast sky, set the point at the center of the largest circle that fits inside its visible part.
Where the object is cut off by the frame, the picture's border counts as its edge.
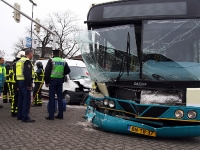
(10, 31)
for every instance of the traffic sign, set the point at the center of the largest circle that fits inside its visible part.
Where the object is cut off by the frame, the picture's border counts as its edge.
(28, 42)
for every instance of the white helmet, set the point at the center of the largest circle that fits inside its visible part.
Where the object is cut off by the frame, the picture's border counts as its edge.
(20, 54)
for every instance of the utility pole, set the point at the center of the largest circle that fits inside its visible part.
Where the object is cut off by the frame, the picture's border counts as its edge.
(33, 4)
(54, 35)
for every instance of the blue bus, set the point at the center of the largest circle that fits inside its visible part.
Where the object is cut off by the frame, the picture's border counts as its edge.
(144, 59)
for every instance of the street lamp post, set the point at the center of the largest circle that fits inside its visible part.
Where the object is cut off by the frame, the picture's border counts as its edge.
(33, 4)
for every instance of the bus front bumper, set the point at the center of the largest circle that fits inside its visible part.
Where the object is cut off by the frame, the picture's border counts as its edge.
(120, 125)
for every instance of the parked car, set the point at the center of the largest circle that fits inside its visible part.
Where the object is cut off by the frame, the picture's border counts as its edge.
(76, 84)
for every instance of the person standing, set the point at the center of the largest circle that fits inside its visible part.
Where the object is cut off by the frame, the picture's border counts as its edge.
(55, 71)
(25, 75)
(2, 75)
(7, 85)
(15, 90)
(39, 80)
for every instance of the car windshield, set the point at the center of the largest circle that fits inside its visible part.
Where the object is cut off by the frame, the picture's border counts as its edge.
(78, 73)
(170, 49)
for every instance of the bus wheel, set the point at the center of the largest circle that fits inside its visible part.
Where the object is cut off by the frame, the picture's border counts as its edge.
(67, 96)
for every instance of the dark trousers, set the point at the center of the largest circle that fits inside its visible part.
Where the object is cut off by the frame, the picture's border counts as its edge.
(14, 103)
(55, 87)
(7, 89)
(37, 96)
(24, 101)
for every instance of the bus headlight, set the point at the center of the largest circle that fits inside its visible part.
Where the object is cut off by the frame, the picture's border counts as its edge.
(105, 102)
(111, 104)
(179, 114)
(192, 114)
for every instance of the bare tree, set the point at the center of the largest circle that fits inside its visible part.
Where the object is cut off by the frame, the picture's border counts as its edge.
(2, 53)
(18, 46)
(44, 38)
(64, 24)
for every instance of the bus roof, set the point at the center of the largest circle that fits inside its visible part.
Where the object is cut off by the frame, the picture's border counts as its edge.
(127, 10)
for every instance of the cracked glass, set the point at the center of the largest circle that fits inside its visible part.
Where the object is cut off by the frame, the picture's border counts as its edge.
(105, 53)
(170, 49)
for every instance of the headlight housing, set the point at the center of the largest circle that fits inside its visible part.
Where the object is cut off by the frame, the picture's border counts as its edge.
(111, 104)
(179, 114)
(105, 102)
(192, 114)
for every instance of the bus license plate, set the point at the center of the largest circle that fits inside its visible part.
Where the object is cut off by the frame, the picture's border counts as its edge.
(141, 131)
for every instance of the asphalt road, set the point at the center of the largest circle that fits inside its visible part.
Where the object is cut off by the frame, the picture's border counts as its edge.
(74, 133)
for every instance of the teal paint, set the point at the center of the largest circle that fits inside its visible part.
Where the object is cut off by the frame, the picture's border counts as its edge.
(120, 125)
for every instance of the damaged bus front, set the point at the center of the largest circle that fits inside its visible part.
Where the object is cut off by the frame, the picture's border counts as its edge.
(144, 57)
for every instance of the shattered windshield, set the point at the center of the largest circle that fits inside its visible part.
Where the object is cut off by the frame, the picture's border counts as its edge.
(110, 53)
(170, 49)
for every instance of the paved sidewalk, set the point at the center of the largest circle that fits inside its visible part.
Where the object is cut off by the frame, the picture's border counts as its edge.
(73, 133)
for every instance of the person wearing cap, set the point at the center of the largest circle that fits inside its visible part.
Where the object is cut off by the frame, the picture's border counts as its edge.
(24, 75)
(39, 80)
(55, 71)
(7, 85)
(2, 75)
(15, 90)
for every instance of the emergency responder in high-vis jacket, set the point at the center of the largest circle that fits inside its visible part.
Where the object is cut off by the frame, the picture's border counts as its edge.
(25, 75)
(39, 80)
(7, 85)
(14, 107)
(2, 75)
(55, 71)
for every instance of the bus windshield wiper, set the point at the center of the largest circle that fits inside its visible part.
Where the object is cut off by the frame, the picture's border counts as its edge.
(121, 71)
(127, 58)
(128, 54)
(159, 78)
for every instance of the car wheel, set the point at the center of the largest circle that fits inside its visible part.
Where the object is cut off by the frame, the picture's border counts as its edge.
(67, 96)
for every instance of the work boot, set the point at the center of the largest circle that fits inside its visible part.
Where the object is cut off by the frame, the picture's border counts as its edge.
(28, 121)
(14, 114)
(39, 104)
(48, 118)
(5, 101)
(58, 117)
(1, 106)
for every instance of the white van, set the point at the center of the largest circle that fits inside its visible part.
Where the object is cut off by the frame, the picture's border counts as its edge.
(76, 84)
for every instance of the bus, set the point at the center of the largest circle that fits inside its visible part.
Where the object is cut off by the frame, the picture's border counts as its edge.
(144, 59)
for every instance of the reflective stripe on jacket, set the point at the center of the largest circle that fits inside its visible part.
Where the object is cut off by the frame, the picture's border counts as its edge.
(12, 76)
(2, 75)
(39, 78)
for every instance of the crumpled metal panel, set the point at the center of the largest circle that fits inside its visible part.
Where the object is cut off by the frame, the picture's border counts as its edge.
(160, 97)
